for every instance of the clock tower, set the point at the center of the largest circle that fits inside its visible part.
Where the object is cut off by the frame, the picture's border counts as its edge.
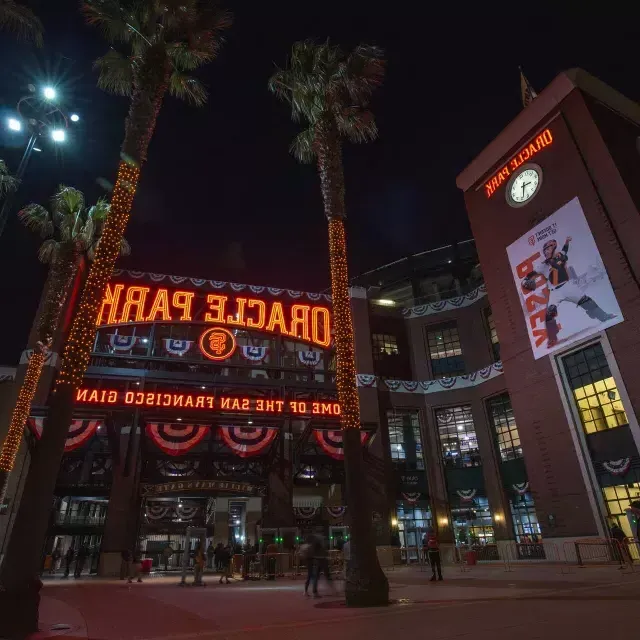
(554, 205)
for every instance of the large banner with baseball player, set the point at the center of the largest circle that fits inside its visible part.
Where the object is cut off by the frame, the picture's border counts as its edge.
(563, 286)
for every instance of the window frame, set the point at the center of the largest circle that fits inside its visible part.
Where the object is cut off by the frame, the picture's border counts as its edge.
(381, 354)
(447, 325)
(475, 455)
(400, 462)
(493, 427)
(494, 347)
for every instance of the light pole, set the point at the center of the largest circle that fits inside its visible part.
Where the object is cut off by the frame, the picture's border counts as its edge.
(40, 115)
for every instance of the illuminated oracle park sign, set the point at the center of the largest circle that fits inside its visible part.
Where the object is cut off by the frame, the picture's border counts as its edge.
(124, 303)
(205, 401)
(524, 155)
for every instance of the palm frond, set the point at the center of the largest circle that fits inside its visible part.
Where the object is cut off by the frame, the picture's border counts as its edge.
(329, 90)
(302, 146)
(21, 20)
(125, 247)
(83, 237)
(47, 251)
(36, 218)
(67, 201)
(363, 72)
(115, 73)
(7, 181)
(98, 212)
(357, 125)
(113, 17)
(187, 88)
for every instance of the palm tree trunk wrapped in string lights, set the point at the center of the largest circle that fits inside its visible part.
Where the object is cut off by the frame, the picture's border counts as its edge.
(71, 231)
(329, 90)
(164, 41)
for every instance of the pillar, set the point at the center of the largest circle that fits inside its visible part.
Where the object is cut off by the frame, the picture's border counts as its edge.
(120, 531)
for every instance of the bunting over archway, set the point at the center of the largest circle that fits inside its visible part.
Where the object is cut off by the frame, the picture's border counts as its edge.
(176, 439)
(331, 442)
(80, 431)
(248, 441)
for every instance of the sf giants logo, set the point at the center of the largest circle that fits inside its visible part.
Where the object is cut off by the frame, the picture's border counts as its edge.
(536, 300)
(217, 343)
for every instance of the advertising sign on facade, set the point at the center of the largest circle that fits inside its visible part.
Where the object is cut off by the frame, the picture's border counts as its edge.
(564, 289)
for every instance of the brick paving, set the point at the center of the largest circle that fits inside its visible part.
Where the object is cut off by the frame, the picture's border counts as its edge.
(484, 603)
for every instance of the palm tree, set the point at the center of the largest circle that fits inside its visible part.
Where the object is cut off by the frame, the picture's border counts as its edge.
(70, 232)
(329, 90)
(21, 20)
(163, 40)
(8, 183)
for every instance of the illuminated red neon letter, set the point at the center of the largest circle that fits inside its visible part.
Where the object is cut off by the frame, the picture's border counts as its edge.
(136, 297)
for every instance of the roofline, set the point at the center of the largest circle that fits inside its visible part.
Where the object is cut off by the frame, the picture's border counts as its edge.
(413, 255)
(540, 108)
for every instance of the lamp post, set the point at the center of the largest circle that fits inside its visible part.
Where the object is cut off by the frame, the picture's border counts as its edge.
(39, 115)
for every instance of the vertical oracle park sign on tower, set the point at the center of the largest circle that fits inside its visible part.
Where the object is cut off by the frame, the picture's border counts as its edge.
(133, 304)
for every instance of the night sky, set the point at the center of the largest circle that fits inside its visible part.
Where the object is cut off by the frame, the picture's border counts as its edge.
(220, 196)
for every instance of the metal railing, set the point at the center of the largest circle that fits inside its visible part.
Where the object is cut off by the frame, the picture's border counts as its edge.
(65, 519)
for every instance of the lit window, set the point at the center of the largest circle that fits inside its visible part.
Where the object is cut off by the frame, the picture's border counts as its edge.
(594, 390)
(504, 425)
(525, 522)
(618, 499)
(405, 439)
(384, 345)
(445, 351)
(458, 436)
(493, 334)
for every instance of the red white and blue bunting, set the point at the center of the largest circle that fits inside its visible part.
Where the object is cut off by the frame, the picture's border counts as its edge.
(446, 305)
(254, 354)
(155, 511)
(466, 495)
(305, 513)
(310, 358)
(432, 386)
(411, 498)
(176, 439)
(617, 467)
(521, 488)
(336, 512)
(122, 343)
(80, 432)
(331, 442)
(177, 347)
(248, 441)
(201, 283)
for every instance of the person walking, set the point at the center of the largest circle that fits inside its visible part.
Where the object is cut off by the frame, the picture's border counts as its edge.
(198, 565)
(217, 555)
(125, 565)
(210, 554)
(80, 560)
(135, 567)
(225, 563)
(433, 553)
(346, 556)
(306, 555)
(68, 559)
(321, 561)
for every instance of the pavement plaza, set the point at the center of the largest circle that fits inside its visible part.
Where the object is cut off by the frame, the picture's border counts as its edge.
(485, 602)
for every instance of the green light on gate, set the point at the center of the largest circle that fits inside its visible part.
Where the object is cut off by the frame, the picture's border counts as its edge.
(261, 540)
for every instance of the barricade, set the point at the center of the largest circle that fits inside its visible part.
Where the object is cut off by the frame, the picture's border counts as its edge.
(594, 552)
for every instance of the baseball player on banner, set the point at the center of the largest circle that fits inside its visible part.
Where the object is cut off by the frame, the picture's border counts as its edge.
(561, 280)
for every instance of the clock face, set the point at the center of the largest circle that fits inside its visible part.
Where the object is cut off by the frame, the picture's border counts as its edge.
(524, 185)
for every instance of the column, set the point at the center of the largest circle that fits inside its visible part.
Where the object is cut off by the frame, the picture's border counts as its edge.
(120, 531)
(221, 522)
